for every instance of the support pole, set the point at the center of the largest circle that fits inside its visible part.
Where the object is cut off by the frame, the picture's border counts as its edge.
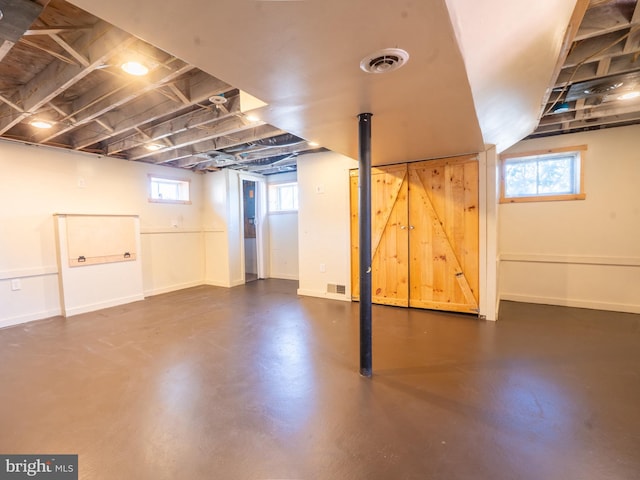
(364, 214)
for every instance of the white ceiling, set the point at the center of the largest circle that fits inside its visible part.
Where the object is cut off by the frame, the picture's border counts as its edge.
(478, 71)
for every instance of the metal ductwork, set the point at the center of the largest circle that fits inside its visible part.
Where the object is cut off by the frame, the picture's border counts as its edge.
(278, 141)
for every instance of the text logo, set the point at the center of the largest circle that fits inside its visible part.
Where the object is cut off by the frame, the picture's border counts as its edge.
(45, 467)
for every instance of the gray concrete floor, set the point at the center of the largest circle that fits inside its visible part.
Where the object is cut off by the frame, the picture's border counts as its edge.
(256, 383)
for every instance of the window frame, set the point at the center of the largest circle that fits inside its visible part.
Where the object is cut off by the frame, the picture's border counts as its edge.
(278, 186)
(151, 177)
(579, 195)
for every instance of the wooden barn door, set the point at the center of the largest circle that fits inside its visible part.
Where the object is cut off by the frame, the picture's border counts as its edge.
(389, 236)
(444, 236)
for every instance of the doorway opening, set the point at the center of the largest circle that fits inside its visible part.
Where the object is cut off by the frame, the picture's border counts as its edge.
(250, 240)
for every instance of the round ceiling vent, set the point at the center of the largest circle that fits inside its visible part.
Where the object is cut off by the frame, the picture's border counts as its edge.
(385, 60)
(218, 99)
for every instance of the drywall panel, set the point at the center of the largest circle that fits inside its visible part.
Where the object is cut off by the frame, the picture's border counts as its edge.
(283, 236)
(583, 252)
(586, 285)
(40, 181)
(284, 253)
(508, 87)
(37, 297)
(323, 223)
(172, 260)
(235, 228)
(215, 223)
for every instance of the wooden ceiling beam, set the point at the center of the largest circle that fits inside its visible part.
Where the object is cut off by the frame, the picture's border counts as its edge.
(98, 45)
(603, 67)
(49, 30)
(5, 47)
(11, 104)
(632, 43)
(226, 126)
(606, 122)
(565, 49)
(53, 53)
(603, 19)
(186, 157)
(96, 103)
(144, 110)
(178, 93)
(70, 50)
(266, 152)
(615, 115)
(175, 125)
(597, 48)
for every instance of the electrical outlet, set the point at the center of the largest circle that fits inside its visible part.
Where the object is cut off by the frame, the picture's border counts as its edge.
(323, 268)
(16, 284)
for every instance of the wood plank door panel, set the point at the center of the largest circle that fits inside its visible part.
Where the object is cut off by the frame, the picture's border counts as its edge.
(444, 229)
(389, 236)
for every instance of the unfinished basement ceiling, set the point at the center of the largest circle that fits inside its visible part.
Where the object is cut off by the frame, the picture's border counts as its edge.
(599, 84)
(62, 64)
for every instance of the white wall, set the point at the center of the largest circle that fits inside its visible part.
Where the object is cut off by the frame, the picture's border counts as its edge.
(223, 224)
(323, 223)
(40, 181)
(215, 226)
(283, 237)
(579, 253)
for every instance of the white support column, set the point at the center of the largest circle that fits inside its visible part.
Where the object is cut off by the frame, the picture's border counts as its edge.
(488, 192)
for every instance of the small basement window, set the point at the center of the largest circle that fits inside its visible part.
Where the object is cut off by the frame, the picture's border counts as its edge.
(168, 190)
(283, 197)
(555, 174)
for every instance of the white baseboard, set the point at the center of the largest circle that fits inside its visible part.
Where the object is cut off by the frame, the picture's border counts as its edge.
(215, 283)
(283, 276)
(100, 305)
(171, 288)
(30, 317)
(569, 302)
(321, 294)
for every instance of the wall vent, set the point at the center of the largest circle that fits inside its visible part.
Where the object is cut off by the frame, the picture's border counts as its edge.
(333, 288)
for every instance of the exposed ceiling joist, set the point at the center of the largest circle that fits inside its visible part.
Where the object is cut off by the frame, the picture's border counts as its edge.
(96, 103)
(63, 64)
(598, 81)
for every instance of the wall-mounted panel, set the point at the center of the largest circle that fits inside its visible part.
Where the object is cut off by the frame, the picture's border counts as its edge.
(86, 287)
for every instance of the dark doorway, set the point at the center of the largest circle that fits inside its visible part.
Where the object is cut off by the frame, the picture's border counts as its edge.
(250, 244)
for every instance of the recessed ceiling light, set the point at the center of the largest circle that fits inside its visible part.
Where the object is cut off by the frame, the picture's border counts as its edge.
(252, 118)
(153, 147)
(135, 68)
(40, 124)
(313, 144)
(629, 96)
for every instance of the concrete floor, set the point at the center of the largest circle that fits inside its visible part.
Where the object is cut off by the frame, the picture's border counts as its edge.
(256, 383)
